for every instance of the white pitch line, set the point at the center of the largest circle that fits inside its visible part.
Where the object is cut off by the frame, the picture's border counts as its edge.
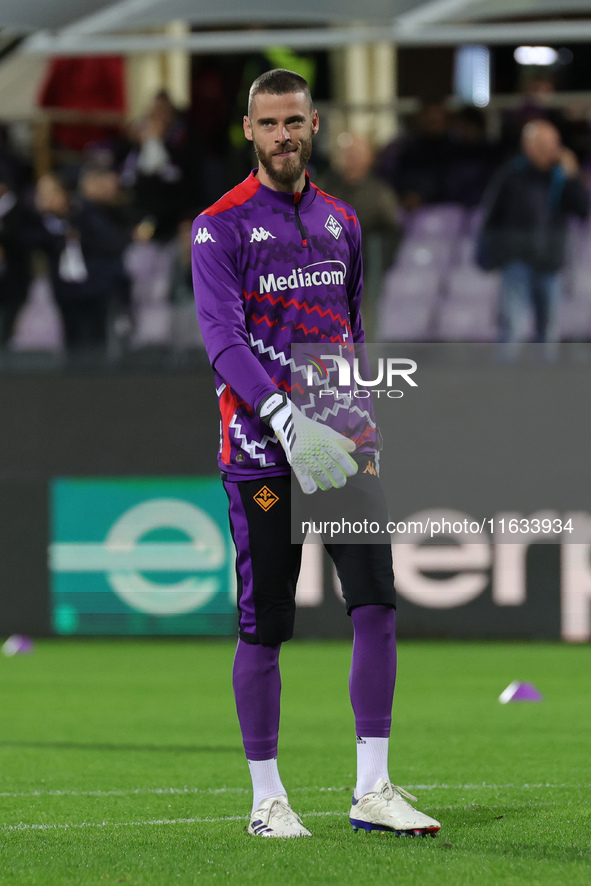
(126, 793)
(159, 822)
(139, 824)
(493, 787)
(190, 791)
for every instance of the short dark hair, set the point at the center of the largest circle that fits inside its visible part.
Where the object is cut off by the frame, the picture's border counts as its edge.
(279, 81)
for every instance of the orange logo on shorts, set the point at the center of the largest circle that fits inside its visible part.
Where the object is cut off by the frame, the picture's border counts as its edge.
(370, 468)
(265, 498)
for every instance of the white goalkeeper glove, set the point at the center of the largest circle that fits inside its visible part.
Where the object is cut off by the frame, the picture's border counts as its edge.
(318, 454)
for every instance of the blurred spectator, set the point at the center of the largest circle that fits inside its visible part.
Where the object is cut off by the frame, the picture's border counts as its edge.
(12, 165)
(156, 171)
(525, 227)
(537, 89)
(85, 247)
(99, 185)
(214, 83)
(472, 158)
(416, 166)
(351, 178)
(14, 262)
(155, 168)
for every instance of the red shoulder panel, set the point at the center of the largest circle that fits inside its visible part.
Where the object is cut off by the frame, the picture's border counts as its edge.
(331, 200)
(236, 197)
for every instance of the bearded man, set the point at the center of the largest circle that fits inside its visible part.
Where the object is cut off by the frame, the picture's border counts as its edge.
(277, 262)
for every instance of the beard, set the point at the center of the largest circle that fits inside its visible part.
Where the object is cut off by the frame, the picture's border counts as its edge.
(290, 170)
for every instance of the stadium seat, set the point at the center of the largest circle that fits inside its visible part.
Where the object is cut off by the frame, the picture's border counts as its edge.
(469, 310)
(444, 220)
(407, 305)
(578, 285)
(465, 284)
(39, 324)
(150, 267)
(466, 322)
(575, 319)
(464, 252)
(425, 252)
(579, 245)
(472, 221)
(152, 326)
(186, 333)
(406, 321)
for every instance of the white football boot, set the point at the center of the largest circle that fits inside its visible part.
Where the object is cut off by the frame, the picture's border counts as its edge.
(385, 809)
(276, 818)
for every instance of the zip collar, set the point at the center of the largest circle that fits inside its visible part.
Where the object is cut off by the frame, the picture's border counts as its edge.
(283, 199)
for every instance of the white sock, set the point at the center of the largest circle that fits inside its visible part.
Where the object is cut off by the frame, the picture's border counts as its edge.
(265, 781)
(372, 763)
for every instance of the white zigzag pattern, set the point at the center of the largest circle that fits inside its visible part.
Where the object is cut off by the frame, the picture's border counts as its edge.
(364, 414)
(285, 361)
(322, 416)
(341, 402)
(289, 361)
(251, 446)
(275, 355)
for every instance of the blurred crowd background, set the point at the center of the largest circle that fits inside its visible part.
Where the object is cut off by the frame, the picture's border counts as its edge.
(95, 237)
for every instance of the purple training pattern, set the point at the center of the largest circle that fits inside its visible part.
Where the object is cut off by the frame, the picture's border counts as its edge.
(272, 269)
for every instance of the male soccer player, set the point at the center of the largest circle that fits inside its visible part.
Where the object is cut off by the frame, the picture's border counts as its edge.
(263, 262)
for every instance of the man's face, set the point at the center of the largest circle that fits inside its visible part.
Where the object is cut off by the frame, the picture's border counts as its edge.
(281, 127)
(541, 144)
(50, 196)
(355, 157)
(100, 187)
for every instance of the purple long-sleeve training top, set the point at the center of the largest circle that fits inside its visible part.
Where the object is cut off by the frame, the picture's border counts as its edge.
(271, 269)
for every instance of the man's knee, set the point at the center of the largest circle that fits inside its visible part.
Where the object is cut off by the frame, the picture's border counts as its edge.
(273, 626)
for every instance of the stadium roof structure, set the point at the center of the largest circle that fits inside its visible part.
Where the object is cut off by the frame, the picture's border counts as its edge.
(80, 27)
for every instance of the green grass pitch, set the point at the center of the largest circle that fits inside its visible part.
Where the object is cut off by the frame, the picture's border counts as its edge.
(120, 762)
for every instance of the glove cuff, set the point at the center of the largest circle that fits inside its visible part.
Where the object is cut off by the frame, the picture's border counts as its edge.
(271, 405)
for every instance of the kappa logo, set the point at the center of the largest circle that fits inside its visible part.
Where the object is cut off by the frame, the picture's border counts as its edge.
(260, 234)
(370, 468)
(265, 498)
(333, 227)
(202, 236)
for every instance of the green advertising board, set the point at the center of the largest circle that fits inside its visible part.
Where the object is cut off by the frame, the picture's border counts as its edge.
(141, 556)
